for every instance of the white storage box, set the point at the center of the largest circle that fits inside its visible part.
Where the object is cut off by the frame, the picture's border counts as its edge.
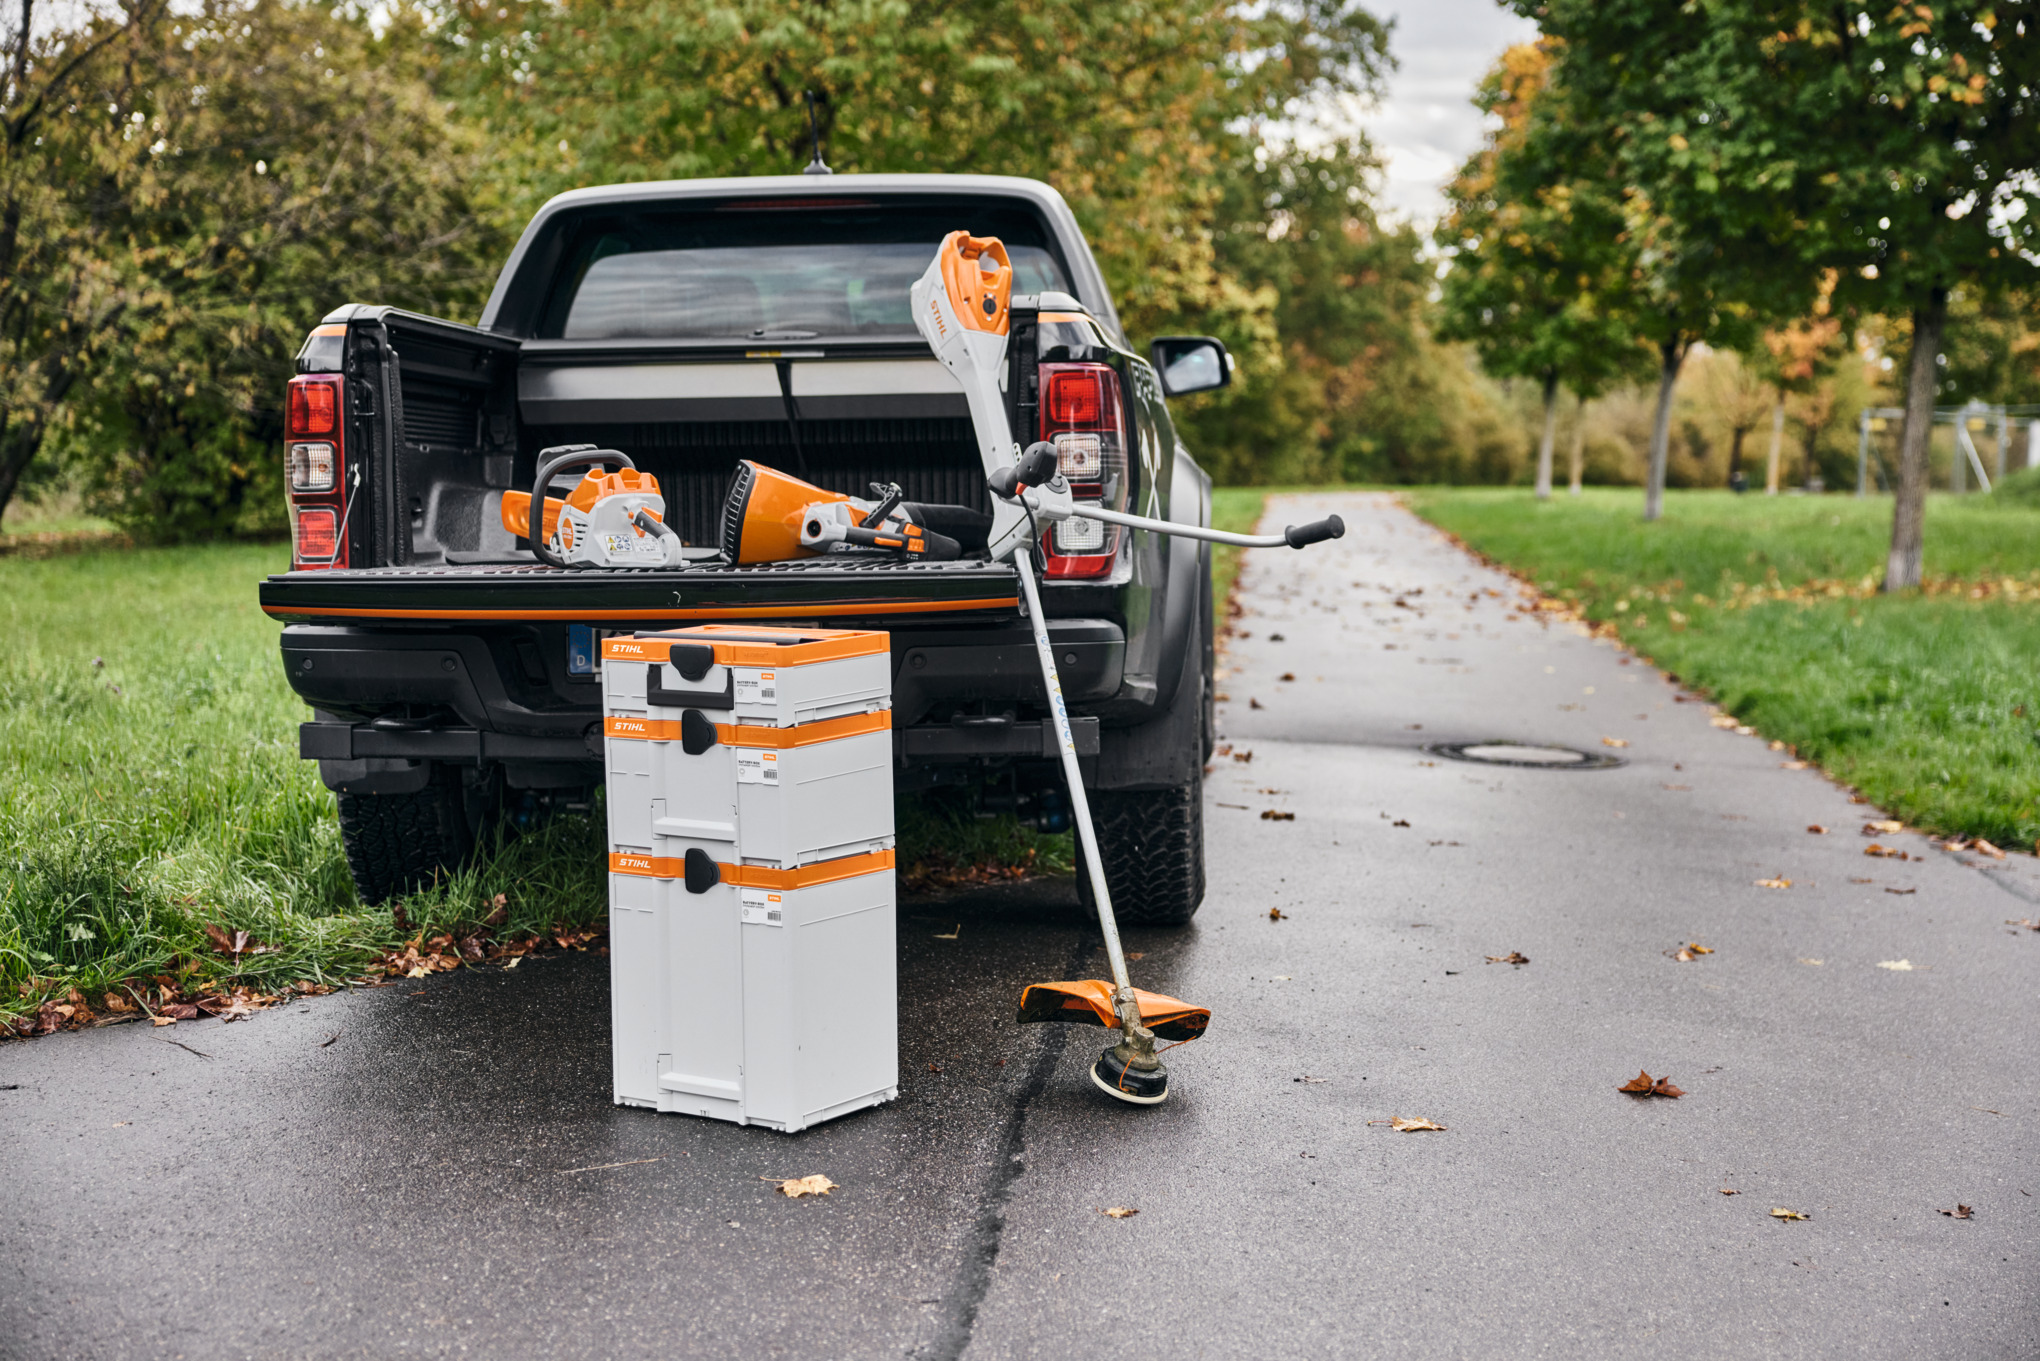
(752, 950)
(769, 998)
(763, 796)
(769, 677)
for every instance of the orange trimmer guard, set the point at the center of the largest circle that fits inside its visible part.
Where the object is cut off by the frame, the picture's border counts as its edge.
(1089, 1002)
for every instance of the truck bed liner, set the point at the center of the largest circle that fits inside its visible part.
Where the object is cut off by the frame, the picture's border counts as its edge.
(810, 589)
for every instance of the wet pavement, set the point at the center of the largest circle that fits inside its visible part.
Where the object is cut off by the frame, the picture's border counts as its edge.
(448, 1176)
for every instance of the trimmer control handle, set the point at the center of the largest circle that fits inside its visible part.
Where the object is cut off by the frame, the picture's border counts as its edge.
(1331, 527)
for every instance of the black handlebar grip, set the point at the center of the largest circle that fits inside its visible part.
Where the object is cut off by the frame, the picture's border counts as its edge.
(1039, 464)
(1331, 527)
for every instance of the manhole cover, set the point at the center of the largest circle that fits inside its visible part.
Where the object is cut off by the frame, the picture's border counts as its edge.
(1523, 754)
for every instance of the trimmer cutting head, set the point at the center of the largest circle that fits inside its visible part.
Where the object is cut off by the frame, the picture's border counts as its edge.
(1127, 1071)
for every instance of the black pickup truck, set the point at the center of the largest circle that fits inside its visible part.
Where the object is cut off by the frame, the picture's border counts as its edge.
(691, 324)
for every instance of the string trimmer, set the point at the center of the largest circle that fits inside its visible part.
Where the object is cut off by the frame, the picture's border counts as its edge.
(961, 307)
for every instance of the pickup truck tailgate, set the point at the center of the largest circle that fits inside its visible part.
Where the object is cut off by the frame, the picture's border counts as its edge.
(815, 588)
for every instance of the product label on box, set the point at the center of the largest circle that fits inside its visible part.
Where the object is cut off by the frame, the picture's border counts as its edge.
(756, 687)
(762, 908)
(757, 767)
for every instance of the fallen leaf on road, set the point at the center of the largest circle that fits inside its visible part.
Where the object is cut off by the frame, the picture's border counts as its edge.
(1222, 697)
(1253, 703)
(1960, 1212)
(1614, 741)
(1404, 1125)
(1513, 957)
(1288, 675)
(1774, 883)
(1243, 756)
(1813, 961)
(1901, 892)
(1308, 1078)
(952, 935)
(160, 1019)
(1882, 827)
(1274, 815)
(515, 961)
(1725, 1191)
(1275, 638)
(933, 1069)
(1794, 765)
(2026, 922)
(793, 1188)
(1691, 951)
(1722, 721)
(1643, 1084)
(1400, 822)
(1984, 846)
(1276, 914)
(1885, 852)
(1782, 1213)
(1896, 965)
(327, 1043)
(1816, 829)
(1119, 1212)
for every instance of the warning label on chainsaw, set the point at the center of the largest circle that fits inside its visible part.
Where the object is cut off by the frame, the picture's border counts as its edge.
(756, 687)
(762, 908)
(757, 767)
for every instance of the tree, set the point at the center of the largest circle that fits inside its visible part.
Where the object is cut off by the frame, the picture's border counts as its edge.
(1139, 111)
(1897, 148)
(58, 294)
(1709, 267)
(1538, 267)
(213, 180)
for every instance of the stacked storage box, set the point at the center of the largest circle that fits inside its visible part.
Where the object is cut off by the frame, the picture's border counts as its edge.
(751, 942)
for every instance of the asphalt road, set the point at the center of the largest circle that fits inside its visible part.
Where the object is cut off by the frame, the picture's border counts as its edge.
(448, 1177)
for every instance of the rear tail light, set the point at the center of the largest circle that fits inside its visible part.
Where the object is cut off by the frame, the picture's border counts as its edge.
(315, 534)
(1084, 417)
(314, 425)
(313, 407)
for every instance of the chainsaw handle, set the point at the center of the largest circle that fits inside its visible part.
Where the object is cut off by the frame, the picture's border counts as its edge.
(1331, 527)
(550, 462)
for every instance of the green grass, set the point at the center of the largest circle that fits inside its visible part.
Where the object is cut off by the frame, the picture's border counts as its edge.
(154, 789)
(1927, 702)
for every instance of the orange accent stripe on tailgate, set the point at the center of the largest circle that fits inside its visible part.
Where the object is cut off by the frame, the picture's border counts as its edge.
(597, 616)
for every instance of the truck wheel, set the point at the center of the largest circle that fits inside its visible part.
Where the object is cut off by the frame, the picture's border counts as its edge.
(400, 843)
(1153, 844)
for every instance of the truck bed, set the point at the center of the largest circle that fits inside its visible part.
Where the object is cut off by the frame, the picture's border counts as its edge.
(814, 588)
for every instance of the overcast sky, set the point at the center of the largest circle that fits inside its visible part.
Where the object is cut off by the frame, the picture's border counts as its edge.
(1426, 126)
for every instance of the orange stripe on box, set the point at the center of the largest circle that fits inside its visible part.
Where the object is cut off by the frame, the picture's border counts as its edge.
(747, 735)
(654, 616)
(755, 876)
(745, 650)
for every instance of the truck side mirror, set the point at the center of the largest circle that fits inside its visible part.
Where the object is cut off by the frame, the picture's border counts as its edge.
(1191, 364)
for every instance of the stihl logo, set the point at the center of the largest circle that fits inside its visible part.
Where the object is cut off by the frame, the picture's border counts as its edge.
(630, 649)
(628, 725)
(633, 862)
(935, 311)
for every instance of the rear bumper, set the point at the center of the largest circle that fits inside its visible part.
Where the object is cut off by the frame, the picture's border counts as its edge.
(391, 702)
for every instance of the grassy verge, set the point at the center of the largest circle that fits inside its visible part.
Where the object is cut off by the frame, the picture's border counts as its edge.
(1927, 702)
(155, 813)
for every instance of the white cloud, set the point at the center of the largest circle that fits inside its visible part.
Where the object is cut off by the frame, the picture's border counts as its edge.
(1425, 125)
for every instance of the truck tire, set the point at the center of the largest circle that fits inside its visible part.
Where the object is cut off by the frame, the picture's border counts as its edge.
(400, 843)
(1152, 841)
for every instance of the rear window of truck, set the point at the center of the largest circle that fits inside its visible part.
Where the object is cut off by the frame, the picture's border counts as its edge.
(772, 270)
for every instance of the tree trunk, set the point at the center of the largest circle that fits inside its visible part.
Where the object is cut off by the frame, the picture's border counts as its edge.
(1671, 355)
(1735, 454)
(1777, 435)
(1550, 430)
(19, 442)
(1579, 445)
(1909, 509)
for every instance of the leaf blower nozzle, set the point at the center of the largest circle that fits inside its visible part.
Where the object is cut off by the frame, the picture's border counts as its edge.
(1331, 527)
